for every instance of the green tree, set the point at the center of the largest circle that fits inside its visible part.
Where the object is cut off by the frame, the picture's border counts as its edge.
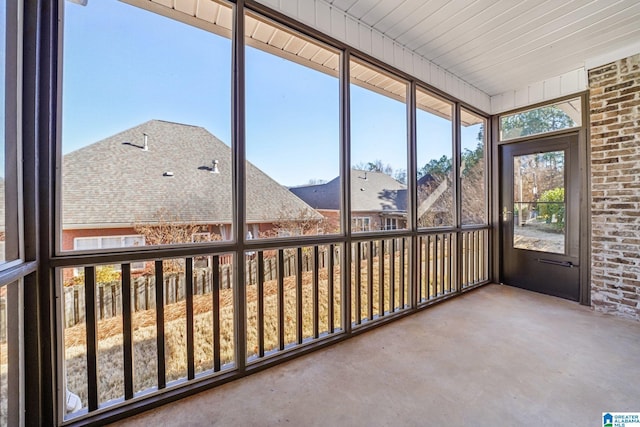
(552, 204)
(375, 166)
(539, 120)
(436, 167)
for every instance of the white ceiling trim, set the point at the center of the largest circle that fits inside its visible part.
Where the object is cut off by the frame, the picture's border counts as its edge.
(545, 90)
(565, 84)
(624, 52)
(339, 25)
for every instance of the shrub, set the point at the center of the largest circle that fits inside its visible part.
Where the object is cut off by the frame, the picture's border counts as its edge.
(552, 203)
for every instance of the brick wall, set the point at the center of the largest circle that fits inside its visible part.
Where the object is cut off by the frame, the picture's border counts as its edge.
(615, 187)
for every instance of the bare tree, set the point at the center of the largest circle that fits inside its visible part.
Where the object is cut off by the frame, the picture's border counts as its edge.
(304, 222)
(166, 229)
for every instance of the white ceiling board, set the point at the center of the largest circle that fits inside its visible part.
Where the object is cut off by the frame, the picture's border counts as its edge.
(375, 14)
(499, 46)
(547, 34)
(621, 30)
(360, 7)
(343, 4)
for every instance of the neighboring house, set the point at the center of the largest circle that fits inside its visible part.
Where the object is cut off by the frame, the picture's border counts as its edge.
(378, 201)
(435, 200)
(161, 172)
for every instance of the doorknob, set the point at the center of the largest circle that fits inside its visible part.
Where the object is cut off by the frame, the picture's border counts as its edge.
(505, 214)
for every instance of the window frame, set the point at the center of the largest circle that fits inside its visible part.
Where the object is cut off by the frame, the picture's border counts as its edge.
(390, 223)
(135, 266)
(486, 169)
(12, 145)
(564, 100)
(358, 224)
(240, 246)
(453, 120)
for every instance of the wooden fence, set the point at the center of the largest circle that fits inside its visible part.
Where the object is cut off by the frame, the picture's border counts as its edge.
(108, 295)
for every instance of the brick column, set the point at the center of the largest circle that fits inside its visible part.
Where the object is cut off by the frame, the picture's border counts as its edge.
(615, 187)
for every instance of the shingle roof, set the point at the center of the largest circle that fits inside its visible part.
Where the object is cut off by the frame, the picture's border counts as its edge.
(115, 182)
(370, 191)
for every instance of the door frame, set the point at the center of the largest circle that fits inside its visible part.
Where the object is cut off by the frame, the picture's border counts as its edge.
(584, 171)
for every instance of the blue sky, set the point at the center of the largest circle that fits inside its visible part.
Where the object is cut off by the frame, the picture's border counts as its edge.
(124, 66)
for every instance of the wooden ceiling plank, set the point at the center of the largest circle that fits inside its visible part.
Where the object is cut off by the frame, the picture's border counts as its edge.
(379, 12)
(185, 6)
(207, 10)
(551, 37)
(509, 41)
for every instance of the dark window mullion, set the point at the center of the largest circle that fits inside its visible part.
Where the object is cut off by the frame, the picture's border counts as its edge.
(299, 302)
(215, 295)
(127, 333)
(281, 313)
(370, 281)
(381, 278)
(189, 297)
(330, 325)
(402, 272)
(392, 276)
(92, 344)
(162, 381)
(260, 304)
(358, 274)
(316, 296)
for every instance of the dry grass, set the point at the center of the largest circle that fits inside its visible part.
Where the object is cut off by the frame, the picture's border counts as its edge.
(110, 344)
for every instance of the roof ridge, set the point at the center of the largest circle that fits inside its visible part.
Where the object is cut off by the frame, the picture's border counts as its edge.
(172, 123)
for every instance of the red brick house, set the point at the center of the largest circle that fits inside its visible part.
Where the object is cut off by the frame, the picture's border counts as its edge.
(160, 172)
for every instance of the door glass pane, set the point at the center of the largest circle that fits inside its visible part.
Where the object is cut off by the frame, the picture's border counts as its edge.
(539, 202)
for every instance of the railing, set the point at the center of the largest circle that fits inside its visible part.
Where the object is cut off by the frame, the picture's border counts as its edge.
(380, 278)
(436, 266)
(475, 257)
(300, 303)
(120, 357)
(189, 330)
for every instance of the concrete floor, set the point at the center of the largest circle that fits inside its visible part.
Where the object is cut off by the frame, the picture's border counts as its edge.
(498, 356)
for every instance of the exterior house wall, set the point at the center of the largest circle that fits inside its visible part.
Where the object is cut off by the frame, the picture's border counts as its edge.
(69, 235)
(615, 187)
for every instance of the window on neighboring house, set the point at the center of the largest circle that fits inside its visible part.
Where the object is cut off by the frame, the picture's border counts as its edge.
(391, 223)
(361, 224)
(110, 242)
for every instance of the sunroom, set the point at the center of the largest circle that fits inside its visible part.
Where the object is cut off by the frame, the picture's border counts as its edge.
(194, 191)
